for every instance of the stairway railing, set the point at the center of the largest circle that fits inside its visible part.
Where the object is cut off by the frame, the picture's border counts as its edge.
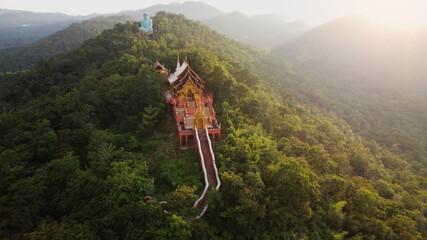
(203, 212)
(218, 185)
(202, 160)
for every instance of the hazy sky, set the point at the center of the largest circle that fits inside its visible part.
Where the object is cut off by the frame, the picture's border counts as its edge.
(404, 12)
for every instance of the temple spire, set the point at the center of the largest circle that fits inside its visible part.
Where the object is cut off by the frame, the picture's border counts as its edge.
(177, 63)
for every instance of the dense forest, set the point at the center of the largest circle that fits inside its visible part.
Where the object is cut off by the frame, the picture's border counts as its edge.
(85, 136)
(61, 41)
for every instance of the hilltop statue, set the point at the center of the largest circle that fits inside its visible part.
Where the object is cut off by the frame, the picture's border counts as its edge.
(146, 24)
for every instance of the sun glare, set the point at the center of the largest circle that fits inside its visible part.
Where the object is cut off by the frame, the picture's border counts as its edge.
(396, 13)
(400, 20)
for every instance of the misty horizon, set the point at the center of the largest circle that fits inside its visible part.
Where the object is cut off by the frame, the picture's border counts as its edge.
(400, 13)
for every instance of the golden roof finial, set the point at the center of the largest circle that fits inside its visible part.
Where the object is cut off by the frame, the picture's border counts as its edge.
(185, 58)
(177, 58)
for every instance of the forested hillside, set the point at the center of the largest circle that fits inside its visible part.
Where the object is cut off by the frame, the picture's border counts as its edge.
(61, 41)
(370, 75)
(85, 136)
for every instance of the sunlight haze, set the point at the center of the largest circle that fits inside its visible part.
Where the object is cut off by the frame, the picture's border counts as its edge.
(402, 13)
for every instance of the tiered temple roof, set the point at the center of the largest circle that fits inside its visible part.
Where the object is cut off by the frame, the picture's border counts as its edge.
(185, 75)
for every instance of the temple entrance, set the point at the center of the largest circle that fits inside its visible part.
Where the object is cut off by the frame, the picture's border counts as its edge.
(199, 119)
(190, 94)
(200, 124)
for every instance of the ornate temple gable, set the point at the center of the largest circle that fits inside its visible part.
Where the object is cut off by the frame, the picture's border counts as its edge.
(189, 88)
(185, 76)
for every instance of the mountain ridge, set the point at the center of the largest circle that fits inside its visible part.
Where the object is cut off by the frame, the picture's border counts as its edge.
(356, 45)
(61, 41)
(20, 28)
(262, 30)
(204, 11)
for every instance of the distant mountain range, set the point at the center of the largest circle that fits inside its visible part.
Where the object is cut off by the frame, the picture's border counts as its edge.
(4, 11)
(351, 48)
(60, 41)
(31, 19)
(192, 10)
(357, 50)
(20, 28)
(262, 30)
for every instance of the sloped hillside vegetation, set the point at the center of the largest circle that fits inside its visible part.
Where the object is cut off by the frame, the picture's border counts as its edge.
(85, 137)
(58, 42)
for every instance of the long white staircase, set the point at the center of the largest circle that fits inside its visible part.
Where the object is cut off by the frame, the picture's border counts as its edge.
(210, 171)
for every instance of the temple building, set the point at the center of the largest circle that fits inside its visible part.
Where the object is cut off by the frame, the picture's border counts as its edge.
(191, 104)
(160, 68)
